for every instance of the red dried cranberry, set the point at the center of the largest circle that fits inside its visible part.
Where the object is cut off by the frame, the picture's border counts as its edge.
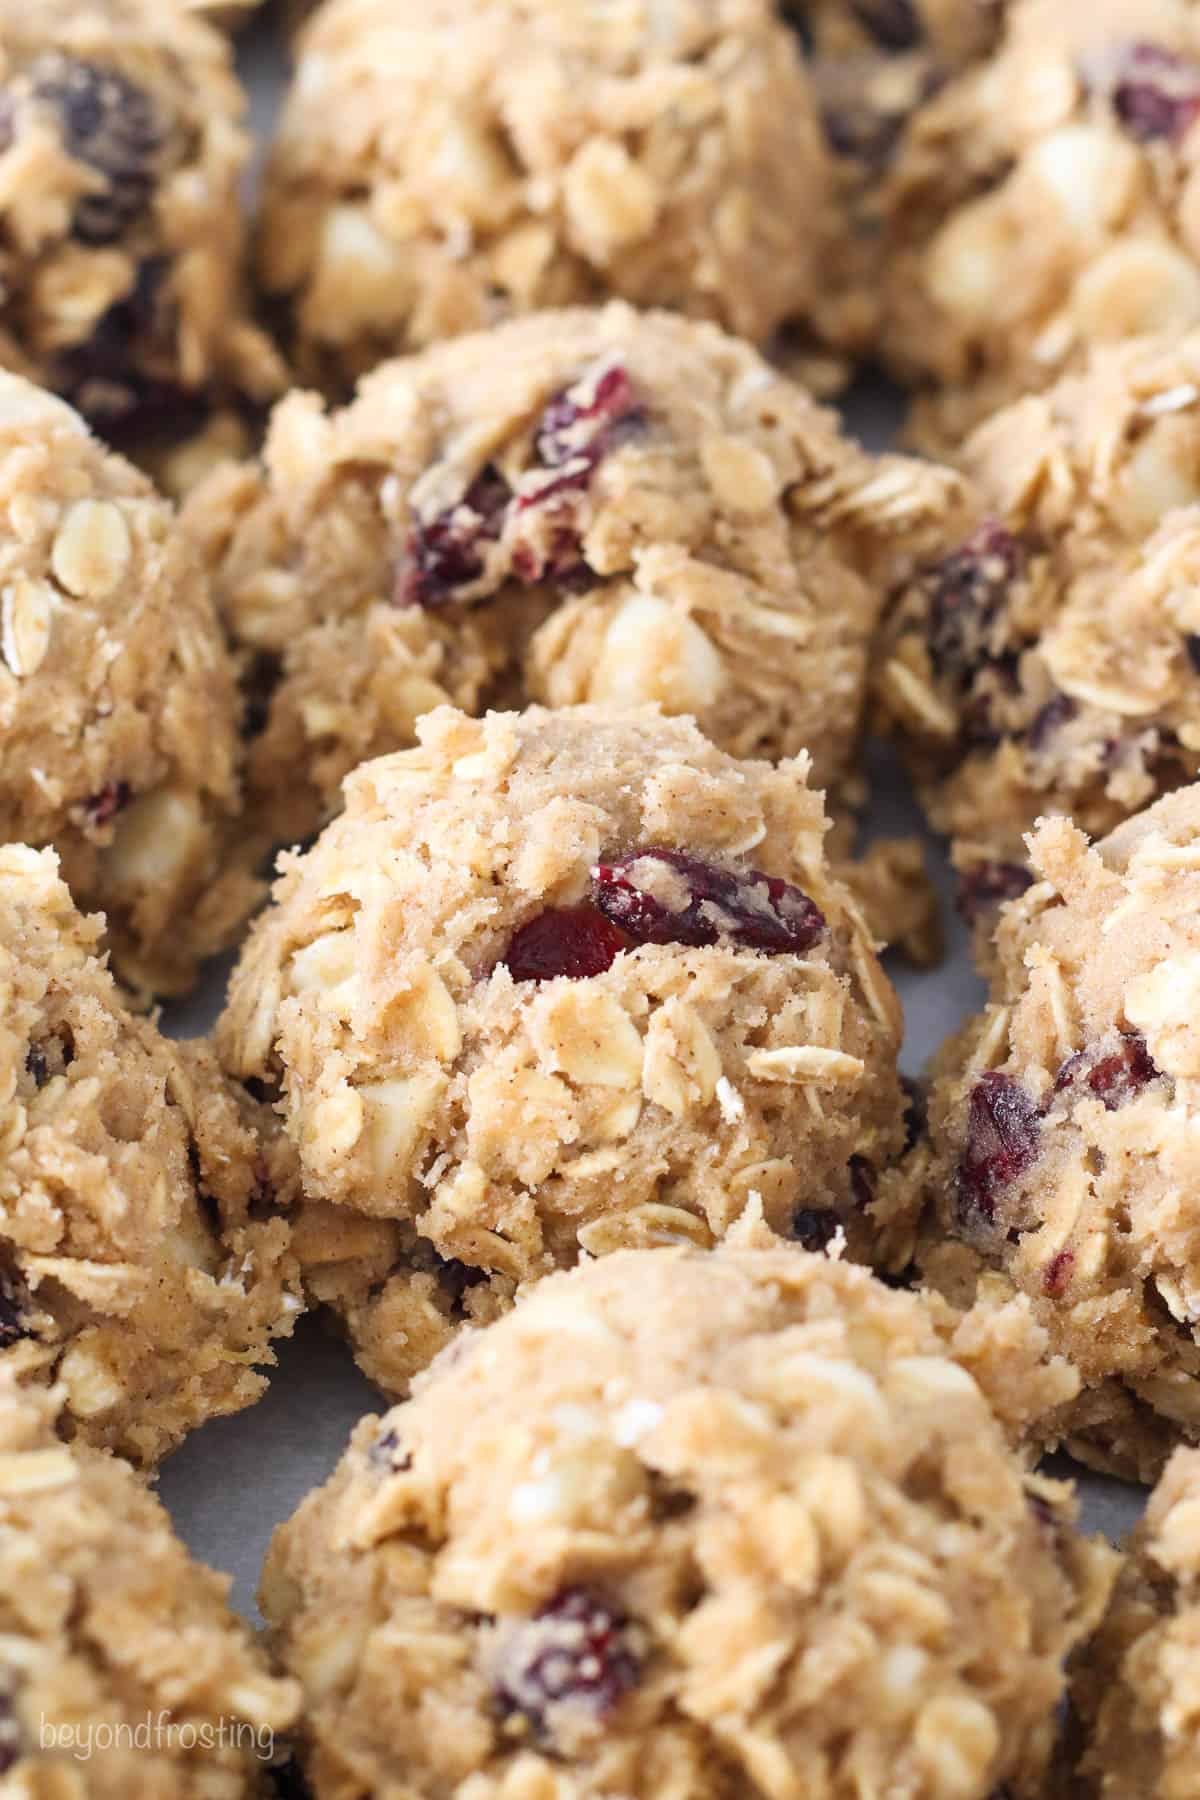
(1051, 718)
(988, 884)
(756, 911)
(102, 808)
(575, 941)
(1117, 1078)
(1057, 1276)
(813, 1229)
(1003, 1126)
(111, 124)
(445, 555)
(575, 421)
(1157, 94)
(892, 23)
(966, 594)
(578, 1652)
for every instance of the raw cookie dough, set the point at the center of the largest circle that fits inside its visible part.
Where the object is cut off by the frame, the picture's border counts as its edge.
(118, 705)
(443, 163)
(1135, 1686)
(555, 983)
(1064, 1132)
(1051, 661)
(583, 506)
(120, 224)
(123, 1673)
(145, 1259)
(691, 1525)
(1045, 202)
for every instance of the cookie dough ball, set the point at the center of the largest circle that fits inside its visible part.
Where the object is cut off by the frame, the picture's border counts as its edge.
(442, 163)
(1051, 661)
(1064, 1134)
(1135, 1686)
(145, 1258)
(685, 1524)
(583, 506)
(118, 704)
(1046, 202)
(123, 1674)
(119, 175)
(556, 983)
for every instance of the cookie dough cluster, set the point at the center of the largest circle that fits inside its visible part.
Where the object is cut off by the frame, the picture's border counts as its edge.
(685, 1524)
(554, 983)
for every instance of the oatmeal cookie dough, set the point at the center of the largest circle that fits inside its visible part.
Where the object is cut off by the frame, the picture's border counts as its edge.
(1045, 202)
(145, 1257)
(699, 1525)
(124, 1675)
(591, 505)
(121, 156)
(1051, 661)
(1135, 1686)
(1064, 1134)
(558, 983)
(118, 703)
(441, 164)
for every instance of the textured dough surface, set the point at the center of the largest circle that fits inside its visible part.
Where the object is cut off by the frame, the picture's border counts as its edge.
(1051, 661)
(121, 155)
(717, 1526)
(1046, 201)
(443, 164)
(583, 506)
(124, 1674)
(1136, 1688)
(145, 1258)
(118, 705)
(1064, 1131)
(468, 1127)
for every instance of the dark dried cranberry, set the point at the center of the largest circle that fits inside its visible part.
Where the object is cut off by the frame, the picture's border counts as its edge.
(14, 1307)
(966, 594)
(1157, 94)
(1057, 1276)
(1002, 1140)
(111, 124)
(892, 23)
(576, 941)
(1051, 718)
(988, 884)
(577, 421)
(446, 554)
(813, 1229)
(102, 808)
(862, 1181)
(668, 897)
(1117, 1078)
(1191, 644)
(577, 1652)
(387, 1452)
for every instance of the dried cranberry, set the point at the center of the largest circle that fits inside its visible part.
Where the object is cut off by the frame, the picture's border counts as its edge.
(575, 941)
(575, 422)
(1049, 719)
(813, 1229)
(988, 884)
(577, 1652)
(15, 1303)
(892, 23)
(102, 808)
(101, 377)
(111, 124)
(1057, 1276)
(1118, 1077)
(966, 594)
(445, 555)
(1157, 94)
(387, 1452)
(668, 897)
(1002, 1140)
